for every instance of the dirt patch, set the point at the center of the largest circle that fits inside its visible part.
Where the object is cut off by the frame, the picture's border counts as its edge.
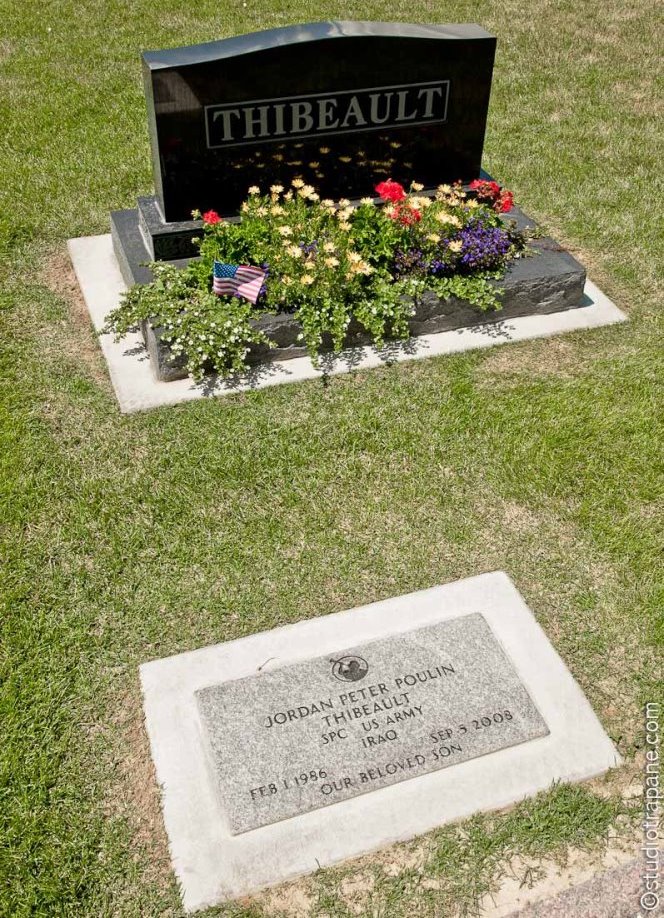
(522, 881)
(529, 882)
(537, 359)
(77, 340)
(135, 796)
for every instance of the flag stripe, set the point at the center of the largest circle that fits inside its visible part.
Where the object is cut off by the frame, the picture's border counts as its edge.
(242, 280)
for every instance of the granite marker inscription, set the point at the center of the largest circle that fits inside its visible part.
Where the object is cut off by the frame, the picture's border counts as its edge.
(323, 730)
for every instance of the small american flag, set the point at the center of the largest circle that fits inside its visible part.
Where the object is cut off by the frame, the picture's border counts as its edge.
(243, 280)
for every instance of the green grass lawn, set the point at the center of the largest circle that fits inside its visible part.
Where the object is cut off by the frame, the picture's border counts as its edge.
(130, 538)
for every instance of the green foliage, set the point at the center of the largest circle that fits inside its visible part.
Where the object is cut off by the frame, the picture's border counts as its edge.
(478, 289)
(212, 331)
(329, 262)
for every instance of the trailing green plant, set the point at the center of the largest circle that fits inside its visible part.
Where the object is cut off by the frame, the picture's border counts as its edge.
(330, 263)
(208, 331)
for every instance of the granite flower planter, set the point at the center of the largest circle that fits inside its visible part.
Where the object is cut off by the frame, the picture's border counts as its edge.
(551, 280)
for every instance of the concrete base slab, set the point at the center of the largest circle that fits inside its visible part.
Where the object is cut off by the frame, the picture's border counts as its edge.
(136, 389)
(213, 866)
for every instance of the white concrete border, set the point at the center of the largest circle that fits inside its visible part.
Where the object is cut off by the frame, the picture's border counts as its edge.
(137, 390)
(213, 866)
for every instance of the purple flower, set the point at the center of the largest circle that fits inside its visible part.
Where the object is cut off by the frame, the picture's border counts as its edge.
(443, 263)
(483, 248)
(408, 262)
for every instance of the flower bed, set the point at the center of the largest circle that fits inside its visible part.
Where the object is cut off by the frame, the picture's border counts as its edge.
(326, 275)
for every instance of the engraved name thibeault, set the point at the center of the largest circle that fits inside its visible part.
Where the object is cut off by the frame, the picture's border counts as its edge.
(321, 114)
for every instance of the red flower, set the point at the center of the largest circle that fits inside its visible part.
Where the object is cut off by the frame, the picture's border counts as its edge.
(211, 217)
(391, 191)
(505, 202)
(404, 213)
(491, 193)
(486, 191)
(409, 215)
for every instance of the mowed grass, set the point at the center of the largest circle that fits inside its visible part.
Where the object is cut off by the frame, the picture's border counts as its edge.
(130, 538)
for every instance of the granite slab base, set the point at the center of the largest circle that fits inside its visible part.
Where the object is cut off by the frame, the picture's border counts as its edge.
(230, 727)
(102, 284)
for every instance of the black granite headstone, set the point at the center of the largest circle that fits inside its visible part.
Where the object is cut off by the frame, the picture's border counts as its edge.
(342, 105)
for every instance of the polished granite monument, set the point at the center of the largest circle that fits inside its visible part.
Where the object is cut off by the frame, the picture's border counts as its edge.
(343, 105)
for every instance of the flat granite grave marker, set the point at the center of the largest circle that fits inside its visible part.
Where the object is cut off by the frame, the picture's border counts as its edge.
(294, 739)
(268, 749)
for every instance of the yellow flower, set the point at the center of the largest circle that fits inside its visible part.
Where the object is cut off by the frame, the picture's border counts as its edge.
(345, 214)
(328, 203)
(261, 211)
(331, 262)
(324, 149)
(344, 202)
(254, 190)
(276, 189)
(344, 226)
(306, 279)
(472, 204)
(367, 201)
(443, 217)
(421, 202)
(433, 237)
(278, 157)
(295, 251)
(306, 191)
(354, 258)
(328, 247)
(455, 246)
(288, 196)
(286, 279)
(344, 159)
(285, 231)
(297, 183)
(314, 165)
(395, 144)
(416, 186)
(244, 207)
(444, 189)
(276, 209)
(359, 267)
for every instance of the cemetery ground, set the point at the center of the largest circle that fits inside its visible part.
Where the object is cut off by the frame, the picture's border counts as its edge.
(127, 538)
